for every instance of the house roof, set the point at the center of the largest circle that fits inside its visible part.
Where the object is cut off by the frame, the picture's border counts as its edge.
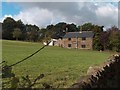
(79, 34)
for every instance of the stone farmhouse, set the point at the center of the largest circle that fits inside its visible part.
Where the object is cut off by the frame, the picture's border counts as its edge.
(78, 40)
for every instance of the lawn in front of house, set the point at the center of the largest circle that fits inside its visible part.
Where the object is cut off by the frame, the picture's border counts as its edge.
(62, 67)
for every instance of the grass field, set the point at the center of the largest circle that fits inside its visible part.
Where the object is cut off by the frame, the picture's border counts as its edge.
(62, 67)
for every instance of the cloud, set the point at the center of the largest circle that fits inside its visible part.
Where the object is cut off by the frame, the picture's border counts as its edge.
(107, 15)
(44, 13)
(61, 0)
(36, 16)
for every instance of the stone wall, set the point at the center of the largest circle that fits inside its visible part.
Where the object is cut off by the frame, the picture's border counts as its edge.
(106, 75)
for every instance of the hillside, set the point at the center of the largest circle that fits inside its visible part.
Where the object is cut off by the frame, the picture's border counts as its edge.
(62, 67)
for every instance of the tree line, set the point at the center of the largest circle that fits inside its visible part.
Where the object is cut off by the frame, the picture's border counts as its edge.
(103, 40)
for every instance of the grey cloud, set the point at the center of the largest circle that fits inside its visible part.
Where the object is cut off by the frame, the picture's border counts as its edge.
(64, 7)
(67, 9)
(76, 12)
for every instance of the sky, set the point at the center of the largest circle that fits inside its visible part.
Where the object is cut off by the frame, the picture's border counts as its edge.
(45, 13)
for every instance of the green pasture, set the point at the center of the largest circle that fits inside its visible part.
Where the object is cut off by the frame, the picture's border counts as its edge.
(62, 67)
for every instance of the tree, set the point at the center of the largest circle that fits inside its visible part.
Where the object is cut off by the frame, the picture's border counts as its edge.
(50, 31)
(104, 39)
(86, 27)
(41, 35)
(22, 27)
(114, 39)
(32, 32)
(17, 33)
(7, 28)
(97, 30)
(72, 27)
(97, 44)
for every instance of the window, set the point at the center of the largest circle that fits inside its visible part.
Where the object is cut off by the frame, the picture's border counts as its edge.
(83, 46)
(69, 45)
(69, 39)
(83, 38)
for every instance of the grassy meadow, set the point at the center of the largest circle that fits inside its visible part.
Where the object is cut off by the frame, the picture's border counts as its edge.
(62, 67)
